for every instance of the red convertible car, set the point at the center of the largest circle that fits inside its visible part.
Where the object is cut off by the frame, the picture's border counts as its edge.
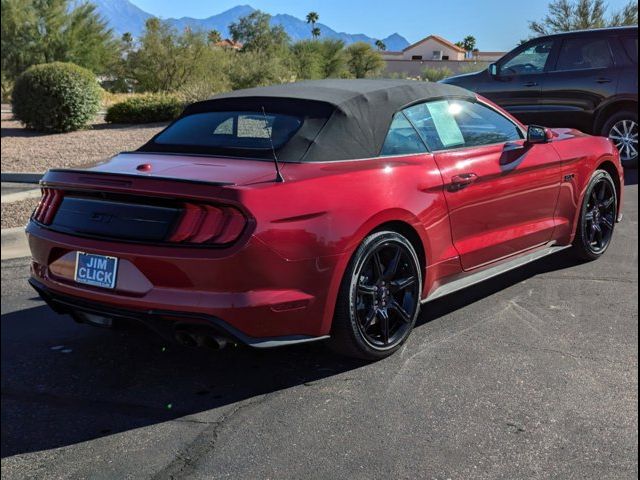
(317, 210)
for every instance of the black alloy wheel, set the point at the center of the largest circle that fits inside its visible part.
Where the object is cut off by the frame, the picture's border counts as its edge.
(598, 217)
(379, 299)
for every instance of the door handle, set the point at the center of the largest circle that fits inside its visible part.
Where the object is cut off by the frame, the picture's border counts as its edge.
(603, 80)
(464, 179)
(530, 84)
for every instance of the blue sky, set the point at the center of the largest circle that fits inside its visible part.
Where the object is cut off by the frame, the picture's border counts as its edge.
(496, 24)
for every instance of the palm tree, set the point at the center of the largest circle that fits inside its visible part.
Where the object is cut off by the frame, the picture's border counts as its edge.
(213, 37)
(469, 43)
(380, 45)
(312, 18)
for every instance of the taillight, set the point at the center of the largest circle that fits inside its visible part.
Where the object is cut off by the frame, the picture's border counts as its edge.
(48, 206)
(207, 224)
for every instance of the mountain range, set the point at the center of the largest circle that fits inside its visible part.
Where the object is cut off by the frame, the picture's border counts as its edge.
(123, 16)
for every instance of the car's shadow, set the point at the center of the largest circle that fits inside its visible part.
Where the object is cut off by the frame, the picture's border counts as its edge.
(64, 383)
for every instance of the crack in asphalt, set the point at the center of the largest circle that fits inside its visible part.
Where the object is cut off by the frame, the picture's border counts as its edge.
(186, 461)
(571, 355)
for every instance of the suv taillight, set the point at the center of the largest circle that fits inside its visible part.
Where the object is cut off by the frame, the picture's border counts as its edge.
(207, 224)
(48, 206)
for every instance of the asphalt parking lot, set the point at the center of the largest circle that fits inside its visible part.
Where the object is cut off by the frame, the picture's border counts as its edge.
(531, 375)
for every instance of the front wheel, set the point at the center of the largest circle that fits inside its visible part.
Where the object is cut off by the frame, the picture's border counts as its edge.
(597, 217)
(379, 298)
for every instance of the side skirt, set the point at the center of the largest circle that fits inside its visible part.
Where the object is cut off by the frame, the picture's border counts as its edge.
(490, 272)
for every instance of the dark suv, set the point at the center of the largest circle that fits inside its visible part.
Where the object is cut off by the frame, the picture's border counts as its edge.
(586, 80)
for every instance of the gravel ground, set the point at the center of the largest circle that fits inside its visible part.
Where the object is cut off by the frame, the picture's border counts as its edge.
(17, 214)
(27, 151)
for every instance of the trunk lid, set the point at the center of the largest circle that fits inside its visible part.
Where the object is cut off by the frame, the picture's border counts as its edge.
(224, 171)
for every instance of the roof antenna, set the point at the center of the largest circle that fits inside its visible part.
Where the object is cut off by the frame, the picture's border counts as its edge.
(279, 177)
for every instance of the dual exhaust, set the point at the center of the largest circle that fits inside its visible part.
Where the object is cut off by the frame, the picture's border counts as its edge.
(200, 339)
(196, 337)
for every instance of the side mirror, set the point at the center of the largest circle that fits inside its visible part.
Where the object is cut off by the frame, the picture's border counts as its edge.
(493, 69)
(537, 134)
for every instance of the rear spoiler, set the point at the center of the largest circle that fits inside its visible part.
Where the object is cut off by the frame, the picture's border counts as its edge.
(54, 171)
(141, 184)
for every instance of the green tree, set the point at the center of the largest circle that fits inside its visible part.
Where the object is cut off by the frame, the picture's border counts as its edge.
(213, 37)
(252, 69)
(256, 34)
(167, 60)
(567, 15)
(307, 59)
(312, 19)
(127, 38)
(380, 45)
(468, 43)
(41, 31)
(363, 61)
(313, 59)
(334, 58)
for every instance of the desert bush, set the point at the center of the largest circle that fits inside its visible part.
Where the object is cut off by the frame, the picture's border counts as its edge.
(57, 97)
(472, 67)
(363, 61)
(145, 109)
(253, 69)
(435, 74)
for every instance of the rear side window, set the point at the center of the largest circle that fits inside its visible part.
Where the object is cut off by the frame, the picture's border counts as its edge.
(231, 130)
(631, 47)
(584, 54)
(447, 124)
(402, 138)
(530, 60)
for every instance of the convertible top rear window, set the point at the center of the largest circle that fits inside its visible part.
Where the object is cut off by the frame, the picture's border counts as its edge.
(231, 130)
(312, 121)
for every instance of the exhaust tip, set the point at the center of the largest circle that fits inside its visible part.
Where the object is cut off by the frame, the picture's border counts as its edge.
(213, 342)
(200, 339)
(185, 338)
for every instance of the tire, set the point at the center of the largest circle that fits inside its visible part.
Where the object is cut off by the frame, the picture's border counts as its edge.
(378, 303)
(620, 128)
(598, 215)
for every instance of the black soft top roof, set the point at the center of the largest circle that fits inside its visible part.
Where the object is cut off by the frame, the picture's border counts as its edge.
(344, 119)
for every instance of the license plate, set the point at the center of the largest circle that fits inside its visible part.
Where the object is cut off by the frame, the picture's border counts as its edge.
(96, 270)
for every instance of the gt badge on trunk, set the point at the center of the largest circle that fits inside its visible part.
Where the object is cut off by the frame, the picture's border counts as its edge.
(96, 270)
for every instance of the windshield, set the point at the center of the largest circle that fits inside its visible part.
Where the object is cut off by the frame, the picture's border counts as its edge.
(231, 130)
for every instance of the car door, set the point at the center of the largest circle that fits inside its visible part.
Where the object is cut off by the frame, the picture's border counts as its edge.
(501, 192)
(518, 80)
(583, 77)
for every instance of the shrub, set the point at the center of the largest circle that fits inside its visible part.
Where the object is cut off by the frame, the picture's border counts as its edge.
(145, 109)
(253, 69)
(472, 67)
(435, 74)
(57, 97)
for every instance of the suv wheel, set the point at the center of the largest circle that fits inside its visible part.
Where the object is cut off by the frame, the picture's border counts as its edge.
(622, 129)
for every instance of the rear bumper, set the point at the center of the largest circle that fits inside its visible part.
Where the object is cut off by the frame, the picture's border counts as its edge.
(249, 293)
(164, 322)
